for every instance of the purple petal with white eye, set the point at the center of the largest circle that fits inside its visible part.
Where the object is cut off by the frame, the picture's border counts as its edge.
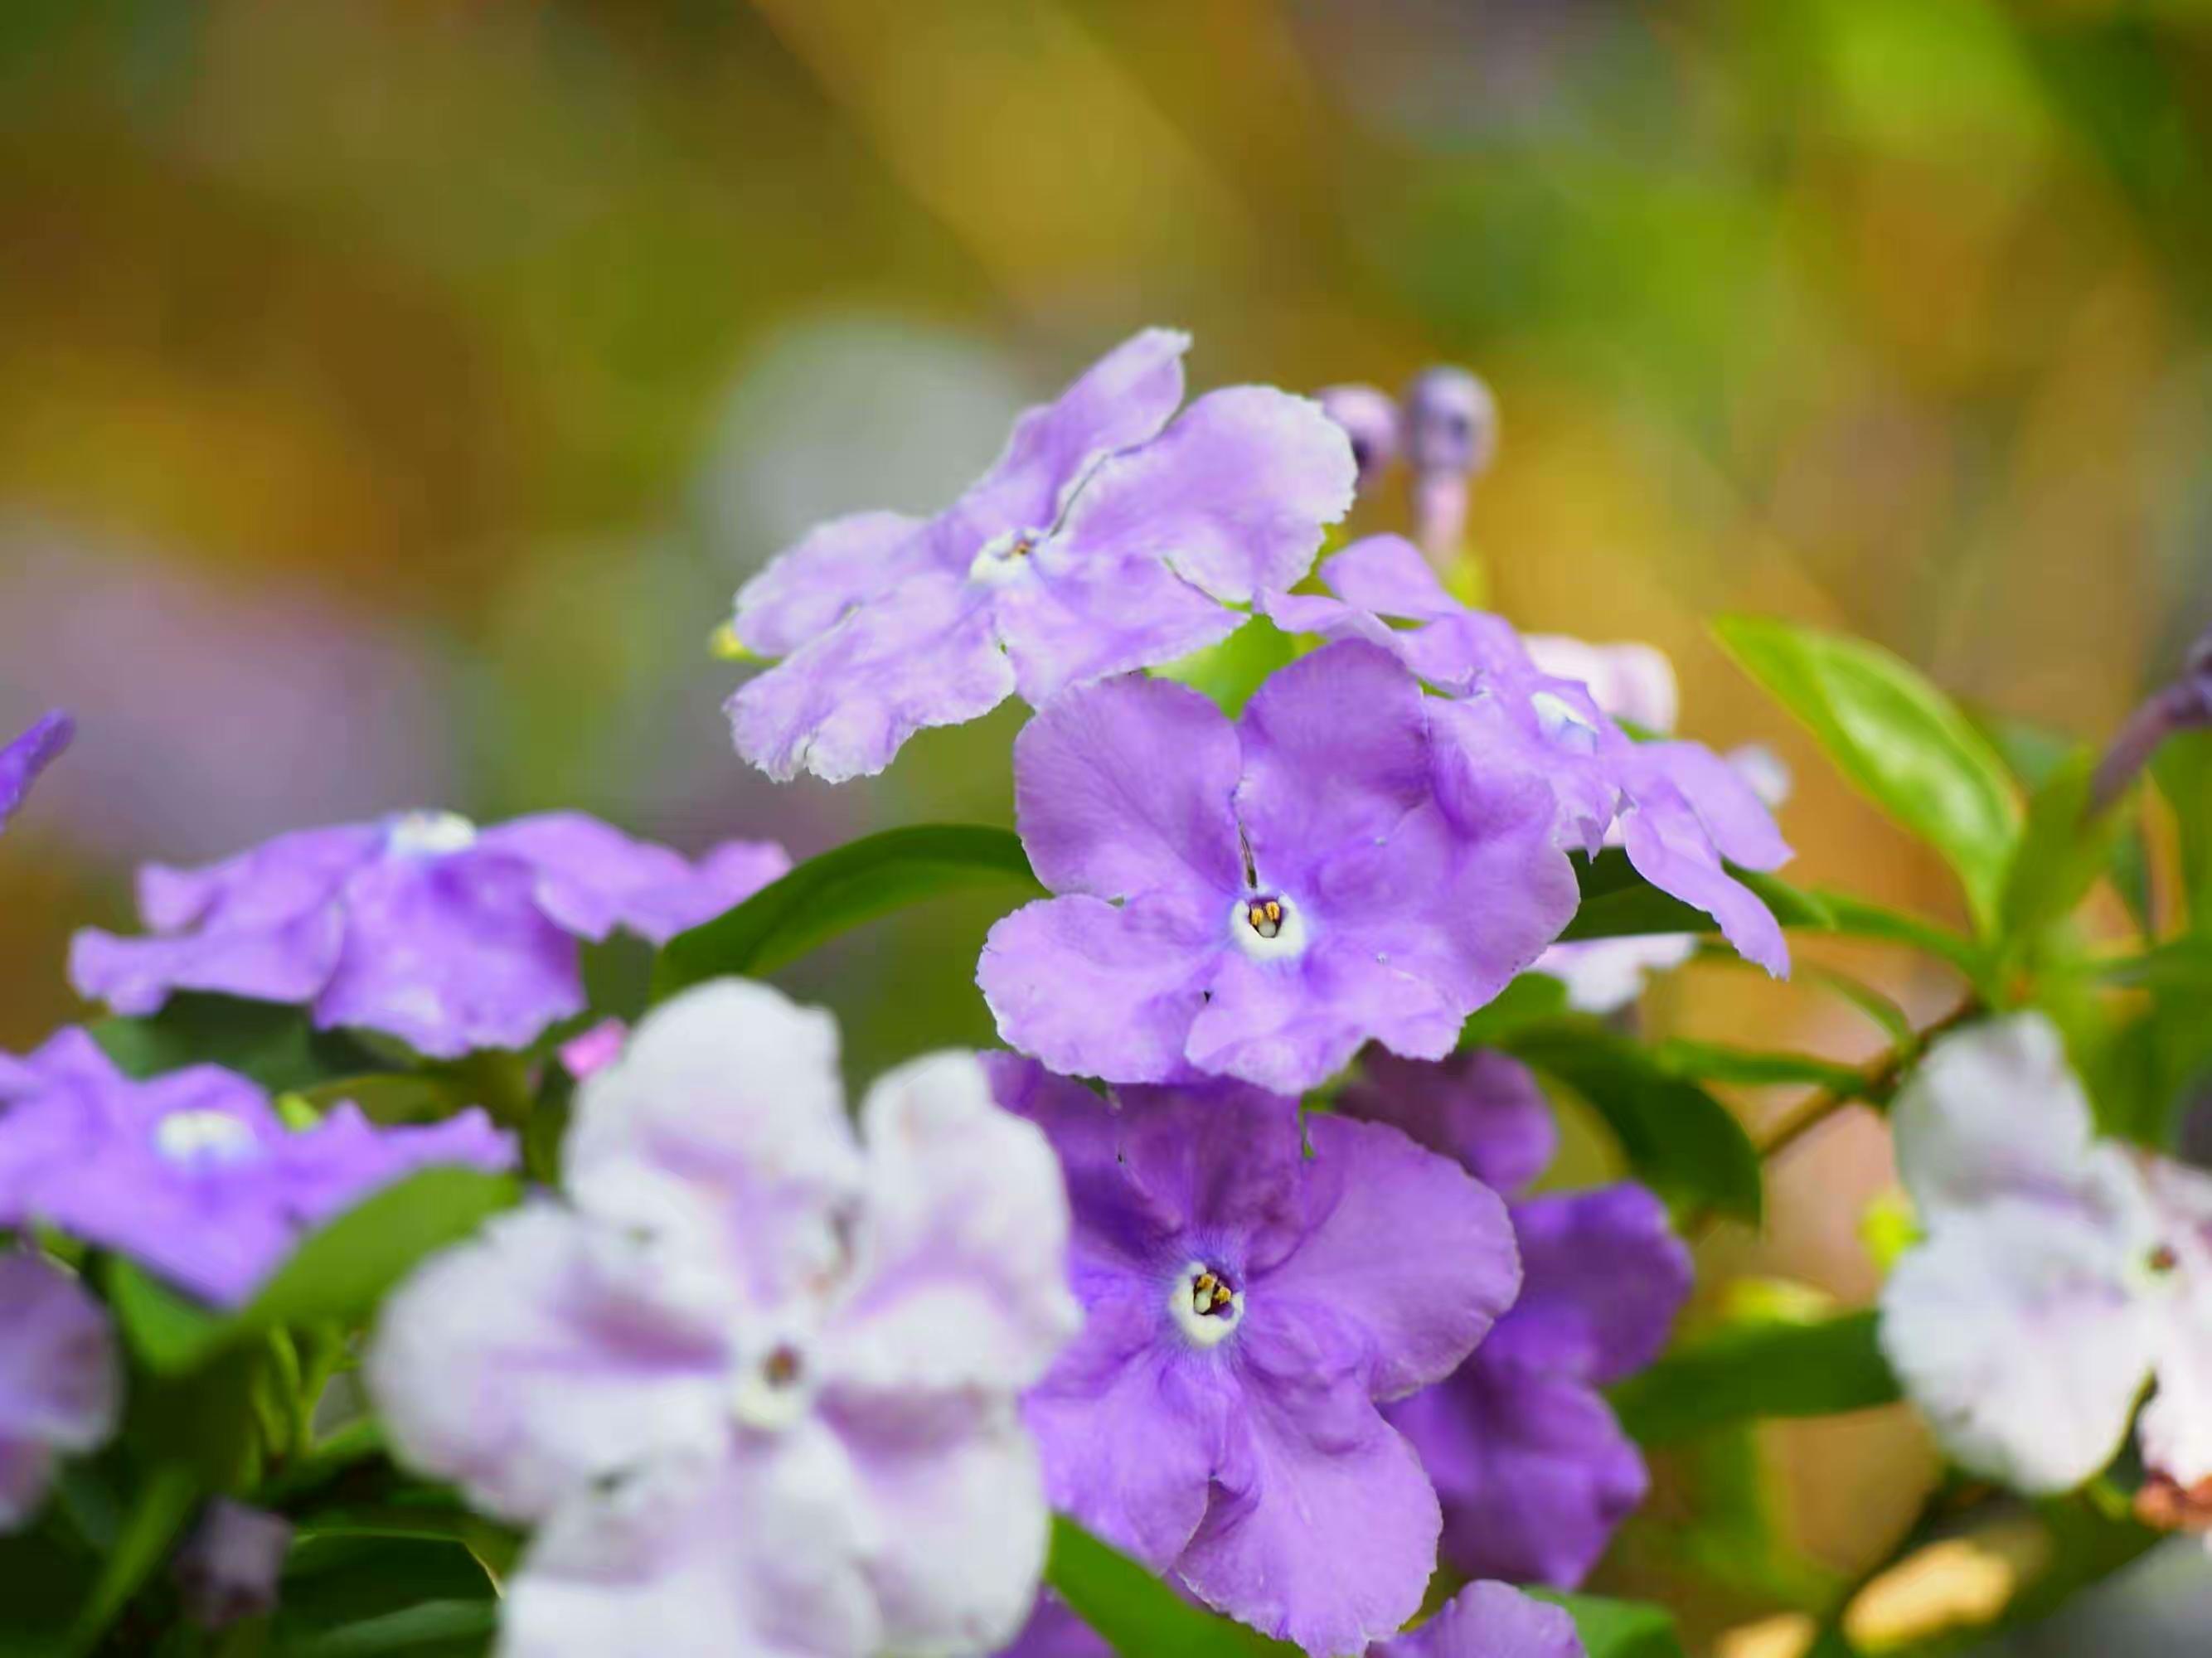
(60, 1382)
(1095, 990)
(22, 759)
(1125, 787)
(1414, 1256)
(1489, 1620)
(1325, 1527)
(834, 567)
(1479, 1108)
(1534, 1473)
(1234, 495)
(842, 704)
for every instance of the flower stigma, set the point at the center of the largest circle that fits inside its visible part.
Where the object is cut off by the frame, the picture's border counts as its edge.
(1205, 1306)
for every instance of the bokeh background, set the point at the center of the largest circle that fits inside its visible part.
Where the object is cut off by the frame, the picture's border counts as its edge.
(391, 396)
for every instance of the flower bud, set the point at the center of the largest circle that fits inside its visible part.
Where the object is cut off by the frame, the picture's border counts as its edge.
(1370, 419)
(228, 1569)
(1450, 423)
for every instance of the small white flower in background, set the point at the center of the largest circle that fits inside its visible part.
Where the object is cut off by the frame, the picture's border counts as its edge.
(2060, 1274)
(755, 1383)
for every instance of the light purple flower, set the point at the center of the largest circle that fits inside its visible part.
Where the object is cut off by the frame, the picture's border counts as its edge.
(1097, 543)
(229, 1568)
(1246, 1307)
(1679, 809)
(193, 1174)
(2059, 1273)
(421, 925)
(1483, 1620)
(1533, 1472)
(61, 1384)
(1258, 899)
(754, 1383)
(22, 759)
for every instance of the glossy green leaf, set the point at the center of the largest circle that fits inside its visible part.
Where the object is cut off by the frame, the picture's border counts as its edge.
(1818, 1368)
(1139, 1615)
(1531, 999)
(1618, 903)
(337, 1273)
(1678, 1139)
(2062, 852)
(1899, 739)
(351, 1596)
(1618, 1629)
(271, 1042)
(836, 892)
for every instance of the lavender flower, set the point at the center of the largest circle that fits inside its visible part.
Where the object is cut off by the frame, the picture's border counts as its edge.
(754, 1383)
(1680, 808)
(22, 759)
(1246, 1306)
(60, 1382)
(1097, 543)
(229, 1568)
(1258, 899)
(1533, 1469)
(1451, 425)
(1483, 1620)
(1370, 419)
(420, 926)
(2058, 1274)
(193, 1174)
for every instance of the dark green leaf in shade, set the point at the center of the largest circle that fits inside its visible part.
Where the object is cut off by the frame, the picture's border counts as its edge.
(1531, 999)
(830, 895)
(1771, 1369)
(424, 1597)
(1678, 1139)
(1618, 1629)
(2183, 771)
(1139, 1615)
(271, 1042)
(1899, 739)
(1617, 902)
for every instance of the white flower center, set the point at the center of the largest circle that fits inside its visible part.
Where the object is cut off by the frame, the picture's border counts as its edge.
(773, 1393)
(1005, 558)
(1557, 718)
(1206, 1308)
(427, 834)
(192, 1137)
(1267, 926)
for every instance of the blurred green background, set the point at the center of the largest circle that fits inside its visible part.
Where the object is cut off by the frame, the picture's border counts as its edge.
(393, 395)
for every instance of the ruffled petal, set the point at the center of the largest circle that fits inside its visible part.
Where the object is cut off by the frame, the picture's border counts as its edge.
(836, 567)
(1993, 1111)
(61, 1381)
(1069, 621)
(592, 878)
(1490, 1620)
(1604, 1277)
(1482, 1109)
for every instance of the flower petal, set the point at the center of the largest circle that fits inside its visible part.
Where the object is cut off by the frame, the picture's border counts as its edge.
(1094, 990)
(1077, 620)
(1490, 1620)
(721, 1132)
(1603, 1278)
(61, 1381)
(1125, 787)
(2015, 1331)
(1408, 1250)
(1481, 1108)
(1386, 576)
(804, 590)
(1336, 754)
(592, 878)
(1668, 846)
(24, 759)
(1323, 1530)
(1234, 495)
(842, 704)
(451, 953)
(959, 1278)
(1288, 1026)
(1630, 681)
(539, 1357)
(1993, 1111)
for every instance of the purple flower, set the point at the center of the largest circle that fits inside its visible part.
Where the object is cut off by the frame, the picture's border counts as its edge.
(22, 759)
(1246, 1306)
(229, 1568)
(1483, 1620)
(1097, 543)
(754, 1383)
(421, 925)
(193, 1174)
(1258, 899)
(1533, 1469)
(61, 1384)
(1677, 808)
(2059, 1273)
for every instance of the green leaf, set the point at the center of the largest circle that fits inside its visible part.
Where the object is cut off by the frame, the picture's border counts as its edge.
(1681, 1141)
(1618, 903)
(1717, 1062)
(2182, 770)
(272, 1042)
(1618, 1629)
(1139, 1615)
(157, 1513)
(836, 892)
(1820, 1368)
(2062, 852)
(1531, 999)
(338, 1272)
(424, 1597)
(2181, 964)
(1230, 671)
(1899, 739)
